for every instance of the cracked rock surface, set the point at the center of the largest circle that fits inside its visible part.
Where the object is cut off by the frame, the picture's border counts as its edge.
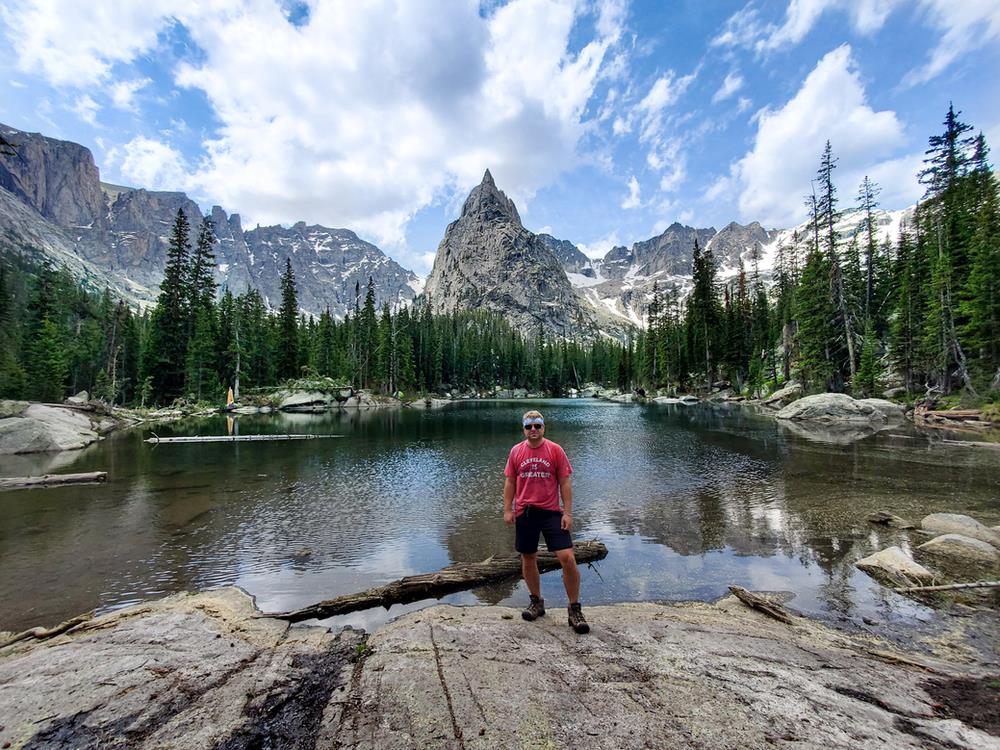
(207, 671)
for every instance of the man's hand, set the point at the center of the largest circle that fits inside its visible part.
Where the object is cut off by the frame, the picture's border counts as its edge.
(567, 521)
(508, 517)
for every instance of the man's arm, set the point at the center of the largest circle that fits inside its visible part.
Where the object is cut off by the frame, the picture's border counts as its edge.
(566, 490)
(508, 500)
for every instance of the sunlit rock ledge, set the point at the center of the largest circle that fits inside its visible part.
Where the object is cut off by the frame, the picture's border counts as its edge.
(207, 670)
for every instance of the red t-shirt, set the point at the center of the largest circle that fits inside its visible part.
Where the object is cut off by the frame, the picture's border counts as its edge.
(537, 473)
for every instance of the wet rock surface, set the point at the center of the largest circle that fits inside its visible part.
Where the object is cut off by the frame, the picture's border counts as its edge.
(831, 407)
(206, 671)
(39, 428)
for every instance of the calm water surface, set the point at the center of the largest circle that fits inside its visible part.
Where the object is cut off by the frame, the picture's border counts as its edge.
(687, 499)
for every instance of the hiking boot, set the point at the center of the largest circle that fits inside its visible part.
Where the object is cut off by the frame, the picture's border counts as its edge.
(534, 610)
(576, 619)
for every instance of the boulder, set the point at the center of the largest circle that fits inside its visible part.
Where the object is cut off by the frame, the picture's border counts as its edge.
(246, 410)
(894, 566)
(891, 409)
(894, 392)
(81, 398)
(956, 523)
(666, 400)
(830, 407)
(785, 396)
(961, 557)
(42, 428)
(888, 519)
(11, 408)
(307, 400)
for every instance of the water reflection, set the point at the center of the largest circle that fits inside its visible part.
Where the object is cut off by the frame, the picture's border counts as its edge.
(688, 499)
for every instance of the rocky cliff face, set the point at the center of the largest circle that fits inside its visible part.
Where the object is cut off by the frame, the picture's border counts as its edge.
(329, 265)
(668, 253)
(568, 254)
(56, 178)
(487, 259)
(54, 206)
(735, 243)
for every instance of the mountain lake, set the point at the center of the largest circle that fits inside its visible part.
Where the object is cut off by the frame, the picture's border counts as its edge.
(688, 500)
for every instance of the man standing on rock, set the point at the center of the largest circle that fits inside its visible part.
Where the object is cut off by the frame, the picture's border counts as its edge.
(537, 473)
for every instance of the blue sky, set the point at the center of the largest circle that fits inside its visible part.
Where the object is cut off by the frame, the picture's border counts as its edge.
(605, 121)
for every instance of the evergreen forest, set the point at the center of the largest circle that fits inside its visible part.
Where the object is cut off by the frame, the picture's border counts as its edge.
(839, 313)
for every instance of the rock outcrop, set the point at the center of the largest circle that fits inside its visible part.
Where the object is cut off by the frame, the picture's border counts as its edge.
(37, 428)
(54, 207)
(892, 565)
(669, 253)
(568, 254)
(956, 523)
(784, 396)
(58, 179)
(488, 260)
(830, 408)
(207, 671)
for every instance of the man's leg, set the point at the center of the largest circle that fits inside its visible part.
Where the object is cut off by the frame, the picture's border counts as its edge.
(532, 578)
(570, 573)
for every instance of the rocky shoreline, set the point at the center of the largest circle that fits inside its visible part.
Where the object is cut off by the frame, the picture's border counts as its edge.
(210, 671)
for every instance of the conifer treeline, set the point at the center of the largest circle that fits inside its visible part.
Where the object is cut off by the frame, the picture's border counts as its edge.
(194, 347)
(926, 305)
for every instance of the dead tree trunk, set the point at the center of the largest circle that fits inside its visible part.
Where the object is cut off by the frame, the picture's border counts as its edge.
(457, 577)
(47, 480)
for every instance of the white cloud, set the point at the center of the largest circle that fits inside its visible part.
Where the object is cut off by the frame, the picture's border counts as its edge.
(732, 83)
(743, 104)
(77, 44)
(86, 109)
(830, 105)
(633, 200)
(966, 25)
(745, 29)
(365, 114)
(599, 247)
(123, 92)
(151, 164)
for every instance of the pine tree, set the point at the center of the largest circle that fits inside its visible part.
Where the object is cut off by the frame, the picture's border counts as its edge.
(868, 204)
(868, 368)
(288, 328)
(703, 314)
(166, 353)
(815, 313)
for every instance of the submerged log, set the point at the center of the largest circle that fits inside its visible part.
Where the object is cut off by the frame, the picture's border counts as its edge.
(950, 587)
(48, 480)
(231, 438)
(457, 577)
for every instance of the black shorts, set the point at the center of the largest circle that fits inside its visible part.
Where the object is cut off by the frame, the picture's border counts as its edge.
(535, 520)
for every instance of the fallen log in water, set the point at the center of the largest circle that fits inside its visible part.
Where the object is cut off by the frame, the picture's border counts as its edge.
(232, 438)
(950, 587)
(457, 577)
(48, 480)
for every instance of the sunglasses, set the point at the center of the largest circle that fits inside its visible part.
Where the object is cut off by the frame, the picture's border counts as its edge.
(528, 424)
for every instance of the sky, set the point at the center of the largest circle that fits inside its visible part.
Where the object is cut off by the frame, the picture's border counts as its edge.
(605, 120)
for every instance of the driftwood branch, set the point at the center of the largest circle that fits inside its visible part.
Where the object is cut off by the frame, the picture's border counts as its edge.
(47, 480)
(951, 587)
(457, 577)
(42, 633)
(758, 602)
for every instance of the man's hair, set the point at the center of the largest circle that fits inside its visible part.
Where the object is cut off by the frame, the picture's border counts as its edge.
(532, 415)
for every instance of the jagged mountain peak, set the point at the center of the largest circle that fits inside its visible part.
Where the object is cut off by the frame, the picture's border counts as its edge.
(488, 203)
